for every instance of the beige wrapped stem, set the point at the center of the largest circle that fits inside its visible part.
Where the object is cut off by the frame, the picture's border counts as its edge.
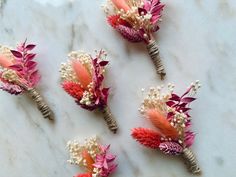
(190, 161)
(108, 117)
(155, 56)
(42, 106)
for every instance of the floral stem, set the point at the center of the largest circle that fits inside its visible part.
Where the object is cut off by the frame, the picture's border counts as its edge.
(154, 54)
(42, 106)
(191, 162)
(108, 117)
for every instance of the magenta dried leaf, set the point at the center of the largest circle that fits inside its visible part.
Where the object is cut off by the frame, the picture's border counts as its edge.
(174, 97)
(30, 65)
(187, 99)
(189, 138)
(34, 78)
(184, 109)
(30, 56)
(16, 54)
(103, 63)
(30, 47)
(16, 67)
(170, 103)
(171, 148)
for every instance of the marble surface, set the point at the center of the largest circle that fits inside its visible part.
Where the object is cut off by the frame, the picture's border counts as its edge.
(197, 41)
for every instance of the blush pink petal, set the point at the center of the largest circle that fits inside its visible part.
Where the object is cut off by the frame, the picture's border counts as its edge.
(121, 4)
(5, 62)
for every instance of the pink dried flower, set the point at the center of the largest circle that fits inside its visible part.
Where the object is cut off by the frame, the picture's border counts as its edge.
(105, 162)
(11, 88)
(171, 148)
(130, 34)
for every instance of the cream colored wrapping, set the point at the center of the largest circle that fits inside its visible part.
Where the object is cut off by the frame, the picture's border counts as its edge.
(108, 117)
(42, 106)
(154, 54)
(191, 162)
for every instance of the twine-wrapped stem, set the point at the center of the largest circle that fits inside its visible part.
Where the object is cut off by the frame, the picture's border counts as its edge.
(42, 106)
(155, 56)
(108, 117)
(191, 162)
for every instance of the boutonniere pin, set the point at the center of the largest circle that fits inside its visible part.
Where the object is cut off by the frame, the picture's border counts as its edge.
(137, 21)
(169, 114)
(82, 77)
(19, 74)
(93, 157)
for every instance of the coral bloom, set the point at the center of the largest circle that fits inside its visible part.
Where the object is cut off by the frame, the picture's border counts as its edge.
(121, 4)
(162, 123)
(5, 62)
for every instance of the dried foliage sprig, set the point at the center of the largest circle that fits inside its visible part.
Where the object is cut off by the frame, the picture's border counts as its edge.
(137, 21)
(169, 113)
(92, 157)
(19, 74)
(82, 78)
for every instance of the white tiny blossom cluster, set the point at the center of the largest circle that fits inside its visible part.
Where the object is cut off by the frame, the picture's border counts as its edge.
(195, 87)
(76, 149)
(156, 98)
(67, 72)
(10, 75)
(87, 98)
(96, 172)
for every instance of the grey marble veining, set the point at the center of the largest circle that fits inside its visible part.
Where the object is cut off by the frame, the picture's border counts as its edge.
(196, 41)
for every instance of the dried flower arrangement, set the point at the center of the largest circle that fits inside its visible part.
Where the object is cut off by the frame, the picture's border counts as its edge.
(136, 21)
(169, 113)
(92, 157)
(19, 74)
(82, 78)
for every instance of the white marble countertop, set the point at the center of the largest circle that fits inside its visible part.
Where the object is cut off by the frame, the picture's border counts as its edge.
(197, 40)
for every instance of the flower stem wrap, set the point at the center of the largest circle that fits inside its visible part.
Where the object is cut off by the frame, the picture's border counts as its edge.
(154, 54)
(108, 117)
(42, 106)
(190, 161)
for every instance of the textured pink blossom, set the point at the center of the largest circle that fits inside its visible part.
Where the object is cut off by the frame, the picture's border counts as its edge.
(171, 148)
(105, 162)
(11, 88)
(130, 34)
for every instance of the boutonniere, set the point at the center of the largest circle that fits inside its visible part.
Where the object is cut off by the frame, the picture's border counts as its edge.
(93, 157)
(169, 114)
(137, 21)
(82, 77)
(19, 74)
